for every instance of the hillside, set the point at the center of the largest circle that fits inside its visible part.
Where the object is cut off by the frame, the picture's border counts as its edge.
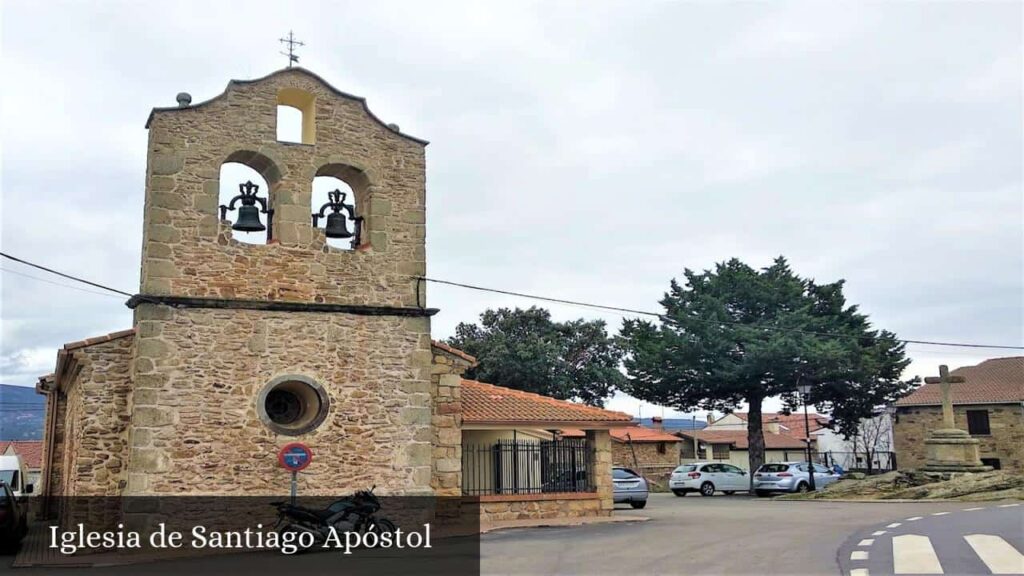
(21, 413)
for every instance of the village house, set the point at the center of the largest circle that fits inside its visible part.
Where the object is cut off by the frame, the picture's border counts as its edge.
(31, 453)
(725, 438)
(989, 405)
(649, 451)
(240, 347)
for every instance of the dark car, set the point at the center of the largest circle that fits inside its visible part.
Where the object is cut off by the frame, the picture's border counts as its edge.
(13, 521)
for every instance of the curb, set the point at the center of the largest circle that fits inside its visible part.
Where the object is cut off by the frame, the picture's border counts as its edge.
(560, 523)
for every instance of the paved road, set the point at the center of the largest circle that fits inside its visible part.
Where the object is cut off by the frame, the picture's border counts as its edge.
(695, 535)
(975, 539)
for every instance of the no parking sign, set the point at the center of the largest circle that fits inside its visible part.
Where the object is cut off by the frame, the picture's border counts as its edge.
(295, 456)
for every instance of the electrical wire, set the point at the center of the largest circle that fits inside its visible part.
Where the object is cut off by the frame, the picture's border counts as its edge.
(605, 307)
(728, 322)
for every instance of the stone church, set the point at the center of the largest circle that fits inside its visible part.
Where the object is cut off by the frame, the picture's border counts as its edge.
(238, 348)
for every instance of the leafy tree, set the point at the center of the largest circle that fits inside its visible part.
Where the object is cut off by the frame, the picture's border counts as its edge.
(526, 350)
(738, 335)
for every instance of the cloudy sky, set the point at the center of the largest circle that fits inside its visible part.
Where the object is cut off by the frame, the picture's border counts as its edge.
(588, 151)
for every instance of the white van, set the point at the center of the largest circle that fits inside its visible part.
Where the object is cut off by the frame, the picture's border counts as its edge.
(14, 473)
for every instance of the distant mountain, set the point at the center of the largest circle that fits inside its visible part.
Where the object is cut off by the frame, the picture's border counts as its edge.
(21, 413)
(673, 424)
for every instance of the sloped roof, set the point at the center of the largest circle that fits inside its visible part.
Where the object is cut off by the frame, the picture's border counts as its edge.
(487, 404)
(994, 381)
(642, 434)
(31, 451)
(453, 351)
(794, 422)
(738, 439)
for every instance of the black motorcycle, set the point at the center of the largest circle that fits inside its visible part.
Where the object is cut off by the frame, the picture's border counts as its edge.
(355, 513)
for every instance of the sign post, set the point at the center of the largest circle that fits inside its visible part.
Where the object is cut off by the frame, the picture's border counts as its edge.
(294, 457)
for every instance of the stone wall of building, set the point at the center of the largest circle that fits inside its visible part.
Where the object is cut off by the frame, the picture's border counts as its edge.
(445, 386)
(647, 454)
(1006, 441)
(540, 507)
(195, 424)
(189, 251)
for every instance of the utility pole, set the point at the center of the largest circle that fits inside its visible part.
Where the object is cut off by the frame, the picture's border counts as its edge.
(804, 390)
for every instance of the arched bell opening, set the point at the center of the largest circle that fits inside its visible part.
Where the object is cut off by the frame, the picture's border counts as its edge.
(245, 194)
(339, 202)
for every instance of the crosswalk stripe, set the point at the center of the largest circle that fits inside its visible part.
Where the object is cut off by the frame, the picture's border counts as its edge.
(972, 509)
(1008, 505)
(859, 555)
(998, 554)
(939, 513)
(913, 519)
(859, 572)
(913, 554)
(878, 533)
(893, 525)
(866, 542)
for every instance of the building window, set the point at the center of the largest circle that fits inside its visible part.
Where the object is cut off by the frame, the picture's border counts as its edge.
(292, 405)
(993, 462)
(977, 423)
(296, 116)
(661, 448)
(720, 451)
(687, 449)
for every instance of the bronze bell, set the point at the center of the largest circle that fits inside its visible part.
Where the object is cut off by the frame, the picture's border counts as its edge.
(336, 227)
(248, 220)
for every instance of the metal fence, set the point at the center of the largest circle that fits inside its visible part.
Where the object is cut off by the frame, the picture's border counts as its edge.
(877, 463)
(527, 467)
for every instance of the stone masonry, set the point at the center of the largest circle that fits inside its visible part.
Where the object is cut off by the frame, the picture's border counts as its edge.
(1006, 441)
(198, 371)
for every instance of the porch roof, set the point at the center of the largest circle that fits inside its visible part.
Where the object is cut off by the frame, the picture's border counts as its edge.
(489, 405)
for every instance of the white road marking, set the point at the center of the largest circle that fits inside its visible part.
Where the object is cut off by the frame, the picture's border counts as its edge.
(913, 518)
(858, 555)
(878, 533)
(939, 513)
(866, 542)
(913, 554)
(893, 525)
(998, 554)
(972, 509)
(859, 572)
(1008, 505)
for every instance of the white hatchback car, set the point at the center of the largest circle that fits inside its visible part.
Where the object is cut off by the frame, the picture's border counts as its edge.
(708, 478)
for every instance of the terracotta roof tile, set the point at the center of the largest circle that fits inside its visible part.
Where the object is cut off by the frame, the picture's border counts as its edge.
(738, 439)
(31, 451)
(643, 434)
(99, 339)
(994, 381)
(489, 404)
(453, 351)
(794, 422)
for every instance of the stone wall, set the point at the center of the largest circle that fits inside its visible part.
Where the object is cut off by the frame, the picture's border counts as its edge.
(188, 251)
(198, 373)
(1006, 441)
(540, 506)
(445, 386)
(646, 454)
(600, 442)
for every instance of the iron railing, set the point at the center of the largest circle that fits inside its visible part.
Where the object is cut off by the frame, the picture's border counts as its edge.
(527, 467)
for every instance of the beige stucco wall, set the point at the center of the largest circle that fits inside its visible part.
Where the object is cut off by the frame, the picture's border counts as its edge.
(1006, 442)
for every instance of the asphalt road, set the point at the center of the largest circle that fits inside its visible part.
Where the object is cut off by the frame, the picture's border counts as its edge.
(697, 535)
(981, 538)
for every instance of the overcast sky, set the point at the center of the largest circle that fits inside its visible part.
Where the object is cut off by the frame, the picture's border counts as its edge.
(588, 151)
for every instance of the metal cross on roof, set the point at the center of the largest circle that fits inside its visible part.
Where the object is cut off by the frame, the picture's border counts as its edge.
(292, 43)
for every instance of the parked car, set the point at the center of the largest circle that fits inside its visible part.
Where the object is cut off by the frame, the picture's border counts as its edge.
(708, 478)
(14, 473)
(790, 477)
(628, 486)
(13, 519)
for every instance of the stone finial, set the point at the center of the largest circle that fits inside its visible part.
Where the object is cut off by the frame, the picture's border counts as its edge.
(184, 99)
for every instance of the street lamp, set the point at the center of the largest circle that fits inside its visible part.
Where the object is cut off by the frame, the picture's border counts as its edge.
(805, 390)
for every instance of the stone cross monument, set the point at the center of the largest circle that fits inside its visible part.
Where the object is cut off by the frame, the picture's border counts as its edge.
(949, 449)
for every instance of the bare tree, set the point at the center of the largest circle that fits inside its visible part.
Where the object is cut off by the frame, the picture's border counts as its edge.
(873, 435)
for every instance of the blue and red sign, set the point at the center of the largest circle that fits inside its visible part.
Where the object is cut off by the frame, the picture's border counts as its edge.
(295, 456)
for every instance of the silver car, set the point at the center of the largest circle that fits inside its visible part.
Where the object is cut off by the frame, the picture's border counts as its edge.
(628, 486)
(790, 477)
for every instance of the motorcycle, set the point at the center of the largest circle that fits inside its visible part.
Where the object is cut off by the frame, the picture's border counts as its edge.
(355, 513)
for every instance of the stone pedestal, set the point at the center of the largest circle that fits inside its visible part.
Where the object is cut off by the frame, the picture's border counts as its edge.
(952, 450)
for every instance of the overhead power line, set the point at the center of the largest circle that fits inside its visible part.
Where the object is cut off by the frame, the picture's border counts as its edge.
(662, 316)
(605, 307)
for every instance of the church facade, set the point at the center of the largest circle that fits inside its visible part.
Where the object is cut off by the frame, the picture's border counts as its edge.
(240, 348)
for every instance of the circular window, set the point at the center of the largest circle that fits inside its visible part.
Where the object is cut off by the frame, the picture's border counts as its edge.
(292, 405)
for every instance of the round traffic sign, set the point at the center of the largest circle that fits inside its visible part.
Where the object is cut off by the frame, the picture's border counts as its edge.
(295, 456)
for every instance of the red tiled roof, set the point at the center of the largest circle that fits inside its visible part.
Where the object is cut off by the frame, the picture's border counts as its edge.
(496, 405)
(738, 439)
(794, 422)
(99, 339)
(643, 434)
(453, 351)
(994, 381)
(31, 451)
